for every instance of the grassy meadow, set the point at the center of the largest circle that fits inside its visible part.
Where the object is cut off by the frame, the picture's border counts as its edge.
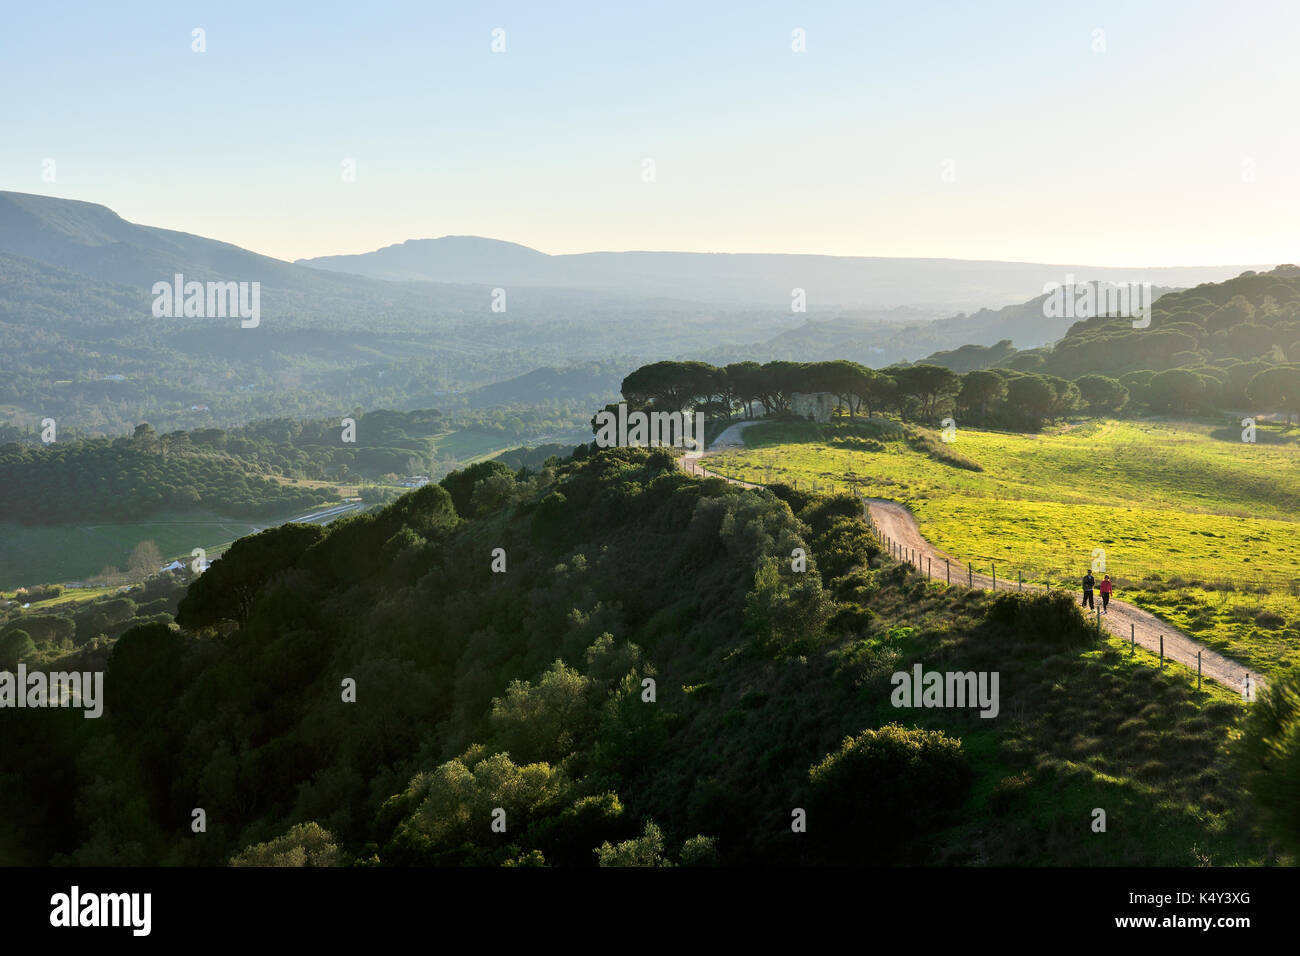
(1195, 525)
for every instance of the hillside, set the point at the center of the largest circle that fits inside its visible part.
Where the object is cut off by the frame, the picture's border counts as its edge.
(79, 341)
(645, 680)
(1212, 329)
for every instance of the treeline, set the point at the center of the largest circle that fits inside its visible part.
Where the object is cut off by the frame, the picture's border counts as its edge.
(1232, 346)
(998, 396)
(912, 392)
(40, 635)
(124, 479)
(1229, 346)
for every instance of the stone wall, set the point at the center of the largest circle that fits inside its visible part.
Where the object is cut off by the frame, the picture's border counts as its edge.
(815, 405)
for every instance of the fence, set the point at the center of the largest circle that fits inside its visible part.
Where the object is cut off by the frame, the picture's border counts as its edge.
(1065, 576)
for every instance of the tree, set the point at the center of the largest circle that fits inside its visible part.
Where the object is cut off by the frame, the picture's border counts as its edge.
(1031, 397)
(777, 381)
(645, 850)
(742, 381)
(1177, 389)
(980, 390)
(1103, 395)
(546, 721)
(670, 386)
(1270, 753)
(885, 785)
(306, 844)
(1067, 398)
(931, 385)
(145, 560)
(1237, 311)
(875, 391)
(15, 646)
(845, 380)
(229, 588)
(143, 675)
(1277, 388)
(460, 484)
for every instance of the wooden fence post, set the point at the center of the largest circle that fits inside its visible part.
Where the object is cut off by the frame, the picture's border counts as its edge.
(947, 570)
(1162, 652)
(1198, 670)
(1020, 581)
(927, 567)
(970, 575)
(1132, 637)
(995, 577)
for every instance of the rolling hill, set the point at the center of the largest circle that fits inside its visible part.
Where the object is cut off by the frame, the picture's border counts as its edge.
(753, 279)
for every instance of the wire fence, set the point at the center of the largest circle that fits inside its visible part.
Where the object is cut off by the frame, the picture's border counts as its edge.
(1065, 576)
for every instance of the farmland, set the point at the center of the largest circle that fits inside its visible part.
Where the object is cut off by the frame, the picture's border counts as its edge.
(1196, 525)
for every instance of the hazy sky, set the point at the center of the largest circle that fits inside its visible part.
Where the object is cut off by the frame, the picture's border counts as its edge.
(1177, 145)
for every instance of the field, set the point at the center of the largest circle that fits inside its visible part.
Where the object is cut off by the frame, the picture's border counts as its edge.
(468, 446)
(1192, 523)
(73, 552)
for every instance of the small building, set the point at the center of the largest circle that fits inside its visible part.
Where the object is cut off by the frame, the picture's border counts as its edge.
(814, 406)
(414, 481)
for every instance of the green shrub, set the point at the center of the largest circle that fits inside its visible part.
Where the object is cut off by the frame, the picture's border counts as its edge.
(1042, 618)
(307, 844)
(1270, 753)
(883, 787)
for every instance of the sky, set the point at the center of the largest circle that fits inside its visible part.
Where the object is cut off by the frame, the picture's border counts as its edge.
(1116, 134)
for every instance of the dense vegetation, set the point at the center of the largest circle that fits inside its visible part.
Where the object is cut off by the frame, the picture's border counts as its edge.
(242, 472)
(645, 680)
(134, 477)
(59, 621)
(1227, 346)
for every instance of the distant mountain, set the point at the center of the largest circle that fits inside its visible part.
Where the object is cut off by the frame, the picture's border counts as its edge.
(79, 341)
(748, 279)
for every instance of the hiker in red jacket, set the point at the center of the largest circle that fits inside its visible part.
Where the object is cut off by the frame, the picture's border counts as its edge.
(1105, 588)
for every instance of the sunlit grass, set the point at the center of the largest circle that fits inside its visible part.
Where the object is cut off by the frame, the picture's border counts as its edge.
(1195, 525)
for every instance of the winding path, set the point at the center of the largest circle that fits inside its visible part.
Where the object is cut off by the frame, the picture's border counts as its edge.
(897, 527)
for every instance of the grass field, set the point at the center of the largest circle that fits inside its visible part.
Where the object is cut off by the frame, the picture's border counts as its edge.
(71, 596)
(1195, 525)
(468, 446)
(62, 553)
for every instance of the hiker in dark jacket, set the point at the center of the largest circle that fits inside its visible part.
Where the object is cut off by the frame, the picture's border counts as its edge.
(1089, 582)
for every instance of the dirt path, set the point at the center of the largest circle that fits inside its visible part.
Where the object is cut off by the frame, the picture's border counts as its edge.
(898, 529)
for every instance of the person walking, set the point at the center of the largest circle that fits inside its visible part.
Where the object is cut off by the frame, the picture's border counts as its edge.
(1089, 582)
(1105, 589)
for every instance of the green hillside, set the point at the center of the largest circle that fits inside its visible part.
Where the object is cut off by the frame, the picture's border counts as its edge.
(646, 679)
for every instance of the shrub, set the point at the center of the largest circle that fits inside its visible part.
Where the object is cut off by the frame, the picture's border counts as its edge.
(307, 844)
(1270, 753)
(883, 787)
(15, 646)
(1042, 618)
